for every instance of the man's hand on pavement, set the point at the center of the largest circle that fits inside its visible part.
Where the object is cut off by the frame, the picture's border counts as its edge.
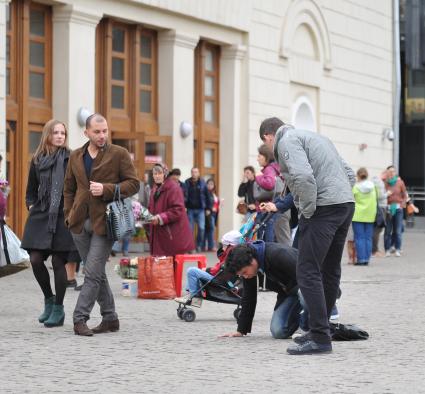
(232, 335)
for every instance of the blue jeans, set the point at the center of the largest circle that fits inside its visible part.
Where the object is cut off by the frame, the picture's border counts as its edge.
(125, 242)
(194, 277)
(363, 234)
(266, 232)
(197, 216)
(209, 233)
(286, 318)
(393, 230)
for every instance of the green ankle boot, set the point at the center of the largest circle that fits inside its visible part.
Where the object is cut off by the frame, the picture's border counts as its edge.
(48, 307)
(56, 318)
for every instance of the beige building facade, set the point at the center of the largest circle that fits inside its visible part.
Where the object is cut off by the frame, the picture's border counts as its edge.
(188, 82)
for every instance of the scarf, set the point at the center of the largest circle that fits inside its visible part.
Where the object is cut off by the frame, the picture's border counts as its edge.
(393, 180)
(50, 190)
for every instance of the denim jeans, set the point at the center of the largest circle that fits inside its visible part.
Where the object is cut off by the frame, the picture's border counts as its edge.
(197, 216)
(266, 232)
(194, 276)
(286, 318)
(125, 243)
(363, 234)
(209, 234)
(393, 229)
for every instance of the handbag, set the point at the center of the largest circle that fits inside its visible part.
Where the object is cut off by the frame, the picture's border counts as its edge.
(260, 194)
(347, 332)
(156, 278)
(242, 208)
(380, 217)
(11, 251)
(119, 217)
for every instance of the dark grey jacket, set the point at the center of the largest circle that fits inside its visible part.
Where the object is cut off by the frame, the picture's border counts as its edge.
(315, 172)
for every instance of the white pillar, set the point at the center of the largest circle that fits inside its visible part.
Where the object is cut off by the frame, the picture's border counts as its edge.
(176, 81)
(74, 49)
(232, 112)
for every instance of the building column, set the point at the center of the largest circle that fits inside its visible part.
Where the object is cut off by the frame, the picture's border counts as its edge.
(176, 81)
(232, 113)
(74, 49)
(3, 5)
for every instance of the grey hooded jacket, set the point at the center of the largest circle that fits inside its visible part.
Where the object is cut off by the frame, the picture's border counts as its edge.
(315, 172)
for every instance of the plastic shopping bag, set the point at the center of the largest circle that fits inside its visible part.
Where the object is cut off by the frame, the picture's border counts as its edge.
(10, 248)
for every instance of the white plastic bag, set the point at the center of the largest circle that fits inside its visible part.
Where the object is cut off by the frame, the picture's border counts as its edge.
(13, 247)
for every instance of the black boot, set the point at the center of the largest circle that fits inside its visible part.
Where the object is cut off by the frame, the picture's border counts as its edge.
(48, 307)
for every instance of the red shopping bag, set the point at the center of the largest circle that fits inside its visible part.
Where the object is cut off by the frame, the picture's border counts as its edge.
(156, 278)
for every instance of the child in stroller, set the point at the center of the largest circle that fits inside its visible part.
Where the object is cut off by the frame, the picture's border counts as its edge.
(212, 284)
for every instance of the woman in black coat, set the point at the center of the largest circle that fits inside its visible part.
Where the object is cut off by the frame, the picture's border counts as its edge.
(45, 233)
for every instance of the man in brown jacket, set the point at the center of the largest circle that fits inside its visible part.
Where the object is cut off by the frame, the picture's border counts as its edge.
(92, 173)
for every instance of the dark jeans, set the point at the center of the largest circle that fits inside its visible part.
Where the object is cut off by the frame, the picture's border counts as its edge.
(286, 318)
(393, 230)
(266, 232)
(375, 241)
(197, 216)
(321, 243)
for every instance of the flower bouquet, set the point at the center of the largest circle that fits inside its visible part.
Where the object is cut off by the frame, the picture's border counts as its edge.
(127, 268)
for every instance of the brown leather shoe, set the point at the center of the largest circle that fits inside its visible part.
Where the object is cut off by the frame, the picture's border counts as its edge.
(81, 328)
(106, 326)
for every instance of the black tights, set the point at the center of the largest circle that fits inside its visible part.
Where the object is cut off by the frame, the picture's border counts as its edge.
(42, 274)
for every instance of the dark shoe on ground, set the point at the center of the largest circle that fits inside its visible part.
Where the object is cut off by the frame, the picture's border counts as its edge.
(107, 326)
(56, 318)
(310, 347)
(113, 253)
(72, 283)
(81, 328)
(78, 288)
(48, 307)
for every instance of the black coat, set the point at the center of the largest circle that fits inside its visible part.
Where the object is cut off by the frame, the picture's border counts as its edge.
(36, 235)
(280, 268)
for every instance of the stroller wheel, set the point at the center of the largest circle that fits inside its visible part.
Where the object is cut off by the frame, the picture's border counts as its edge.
(188, 315)
(237, 313)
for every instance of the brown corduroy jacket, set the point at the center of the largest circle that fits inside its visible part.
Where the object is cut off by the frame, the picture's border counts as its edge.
(111, 166)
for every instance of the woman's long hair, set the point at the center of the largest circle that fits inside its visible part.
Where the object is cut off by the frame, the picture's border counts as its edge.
(45, 146)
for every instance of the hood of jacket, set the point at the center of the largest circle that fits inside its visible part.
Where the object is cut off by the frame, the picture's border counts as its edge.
(260, 250)
(365, 186)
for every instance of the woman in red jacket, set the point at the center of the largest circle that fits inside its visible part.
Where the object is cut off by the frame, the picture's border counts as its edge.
(170, 232)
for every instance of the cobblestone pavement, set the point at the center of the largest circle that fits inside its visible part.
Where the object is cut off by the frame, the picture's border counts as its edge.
(156, 352)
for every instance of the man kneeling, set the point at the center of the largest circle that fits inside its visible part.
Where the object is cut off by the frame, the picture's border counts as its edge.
(278, 263)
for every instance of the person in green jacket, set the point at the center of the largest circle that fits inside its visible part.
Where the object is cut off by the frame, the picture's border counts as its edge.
(365, 196)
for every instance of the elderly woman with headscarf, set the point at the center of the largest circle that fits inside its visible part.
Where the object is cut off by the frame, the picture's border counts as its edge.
(170, 232)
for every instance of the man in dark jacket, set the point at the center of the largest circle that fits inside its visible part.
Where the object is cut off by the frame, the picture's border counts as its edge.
(196, 203)
(278, 263)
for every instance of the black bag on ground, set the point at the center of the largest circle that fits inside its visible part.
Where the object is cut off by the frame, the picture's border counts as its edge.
(347, 332)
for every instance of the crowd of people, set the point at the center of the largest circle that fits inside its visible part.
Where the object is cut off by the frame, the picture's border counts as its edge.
(304, 202)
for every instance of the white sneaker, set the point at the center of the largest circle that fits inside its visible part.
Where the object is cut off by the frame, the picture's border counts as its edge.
(387, 253)
(183, 300)
(397, 253)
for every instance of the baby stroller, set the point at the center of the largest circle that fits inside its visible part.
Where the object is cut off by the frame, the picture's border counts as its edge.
(222, 288)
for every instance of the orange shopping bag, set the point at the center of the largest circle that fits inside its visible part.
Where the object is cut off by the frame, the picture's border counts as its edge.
(156, 278)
